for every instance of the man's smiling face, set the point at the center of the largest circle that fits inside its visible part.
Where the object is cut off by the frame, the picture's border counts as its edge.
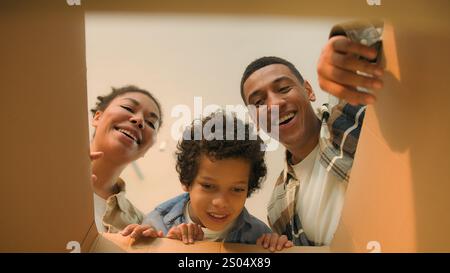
(276, 85)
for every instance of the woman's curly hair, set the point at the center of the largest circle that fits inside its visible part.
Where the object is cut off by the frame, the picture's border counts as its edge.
(217, 145)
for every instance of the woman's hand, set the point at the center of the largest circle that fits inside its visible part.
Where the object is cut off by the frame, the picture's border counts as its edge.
(94, 156)
(274, 242)
(137, 231)
(188, 233)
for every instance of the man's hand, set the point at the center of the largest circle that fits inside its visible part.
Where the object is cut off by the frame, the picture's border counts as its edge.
(337, 68)
(274, 242)
(188, 233)
(136, 231)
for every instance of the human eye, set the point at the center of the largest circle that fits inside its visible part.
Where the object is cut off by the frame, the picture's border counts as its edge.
(285, 89)
(238, 189)
(259, 103)
(129, 109)
(207, 186)
(151, 124)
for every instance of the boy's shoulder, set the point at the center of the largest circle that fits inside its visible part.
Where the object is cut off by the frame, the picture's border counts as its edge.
(254, 222)
(177, 201)
(247, 229)
(167, 213)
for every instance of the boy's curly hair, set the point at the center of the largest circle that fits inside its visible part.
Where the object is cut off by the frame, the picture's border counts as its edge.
(250, 148)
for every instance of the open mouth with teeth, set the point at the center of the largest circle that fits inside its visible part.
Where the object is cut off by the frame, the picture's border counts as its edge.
(217, 217)
(285, 119)
(129, 135)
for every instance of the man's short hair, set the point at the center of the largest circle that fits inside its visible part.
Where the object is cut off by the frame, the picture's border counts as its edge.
(265, 61)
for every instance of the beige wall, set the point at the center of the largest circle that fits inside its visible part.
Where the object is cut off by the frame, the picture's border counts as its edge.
(178, 57)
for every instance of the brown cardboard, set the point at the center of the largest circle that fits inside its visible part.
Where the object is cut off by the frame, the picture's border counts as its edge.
(398, 192)
(46, 200)
(420, 13)
(108, 242)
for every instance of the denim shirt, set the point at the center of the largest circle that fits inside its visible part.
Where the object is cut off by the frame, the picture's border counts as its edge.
(246, 230)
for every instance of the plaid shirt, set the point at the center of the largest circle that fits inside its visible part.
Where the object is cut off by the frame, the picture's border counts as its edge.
(338, 140)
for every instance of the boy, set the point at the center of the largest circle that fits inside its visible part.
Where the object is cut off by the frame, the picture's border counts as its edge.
(218, 175)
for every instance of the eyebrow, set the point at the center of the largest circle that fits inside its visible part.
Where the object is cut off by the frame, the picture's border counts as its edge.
(276, 81)
(282, 78)
(208, 178)
(213, 180)
(136, 103)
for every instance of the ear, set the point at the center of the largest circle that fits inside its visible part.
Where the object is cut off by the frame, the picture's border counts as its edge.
(185, 188)
(309, 91)
(97, 117)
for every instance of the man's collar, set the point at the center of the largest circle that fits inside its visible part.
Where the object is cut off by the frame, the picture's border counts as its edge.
(288, 171)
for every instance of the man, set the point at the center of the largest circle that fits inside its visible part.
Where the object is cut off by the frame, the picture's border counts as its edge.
(309, 194)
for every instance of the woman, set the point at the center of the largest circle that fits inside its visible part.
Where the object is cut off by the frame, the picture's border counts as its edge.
(126, 123)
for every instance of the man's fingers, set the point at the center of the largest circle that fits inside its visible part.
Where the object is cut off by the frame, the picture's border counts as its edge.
(342, 89)
(352, 63)
(344, 45)
(347, 93)
(352, 79)
(327, 71)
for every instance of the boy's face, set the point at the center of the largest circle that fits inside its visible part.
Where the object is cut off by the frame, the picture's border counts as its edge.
(218, 192)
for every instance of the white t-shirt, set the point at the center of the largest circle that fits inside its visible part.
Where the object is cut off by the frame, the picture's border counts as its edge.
(209, 235)
(320, 199)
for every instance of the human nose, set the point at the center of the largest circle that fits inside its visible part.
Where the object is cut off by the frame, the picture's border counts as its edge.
(220, 201)
(138, 120)
(274, 102)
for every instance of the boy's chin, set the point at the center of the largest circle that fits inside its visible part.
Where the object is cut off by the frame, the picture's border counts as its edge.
(217, 229)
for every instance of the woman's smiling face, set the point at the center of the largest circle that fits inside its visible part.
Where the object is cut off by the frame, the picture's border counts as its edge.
(127, 128)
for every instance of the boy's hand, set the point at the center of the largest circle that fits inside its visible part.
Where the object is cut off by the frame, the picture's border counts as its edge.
(136, 231)
(274, 242)
(337, 68)
(188, 233)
